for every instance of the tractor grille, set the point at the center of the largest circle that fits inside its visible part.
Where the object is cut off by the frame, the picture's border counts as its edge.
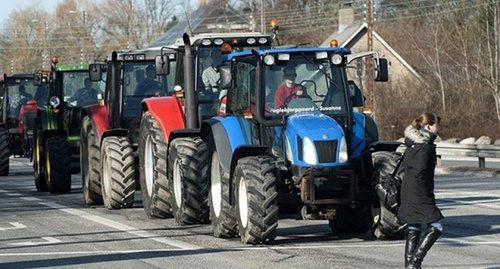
(326, 150)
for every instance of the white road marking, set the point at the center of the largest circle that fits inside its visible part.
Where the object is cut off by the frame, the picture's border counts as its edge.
(30, 199)
(13, 194)
(47, 241)
(475, 203)
(122, 227)
(16, 225)
(3, 191)
(442, 241)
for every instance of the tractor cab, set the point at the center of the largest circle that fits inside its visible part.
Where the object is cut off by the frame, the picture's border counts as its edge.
(207, 51)
(18, 110)
(132, 77)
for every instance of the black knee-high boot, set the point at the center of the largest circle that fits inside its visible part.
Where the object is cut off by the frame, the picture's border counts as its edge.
(431, 235)
(412, 239)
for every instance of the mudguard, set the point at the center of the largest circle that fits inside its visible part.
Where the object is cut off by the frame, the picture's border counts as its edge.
(168, 113)
(99, 118)
(358, 142)
(25, 110)
(228, 134)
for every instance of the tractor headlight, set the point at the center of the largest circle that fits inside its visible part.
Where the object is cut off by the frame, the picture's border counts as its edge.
(269, 60)
(54, 101)
(343, 156)
(336, 59)
(309, 152)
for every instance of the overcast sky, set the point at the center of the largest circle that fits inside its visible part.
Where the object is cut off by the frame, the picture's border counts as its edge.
(7, 6)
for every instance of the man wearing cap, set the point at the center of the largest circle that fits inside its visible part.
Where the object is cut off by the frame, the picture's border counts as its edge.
(288, 90)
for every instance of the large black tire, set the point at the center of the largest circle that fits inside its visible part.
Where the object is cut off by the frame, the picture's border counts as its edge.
(58, 165)
(348, 220)
(90, 156)
(117, 166)
(153, 169)
(386, 225)
(38, 162)
(256, 199)
(222, 214)
(188, 180)
(4, 152)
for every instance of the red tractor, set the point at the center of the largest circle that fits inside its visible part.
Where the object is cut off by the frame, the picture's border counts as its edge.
(173, 157)
(19, 97)
(110, 130)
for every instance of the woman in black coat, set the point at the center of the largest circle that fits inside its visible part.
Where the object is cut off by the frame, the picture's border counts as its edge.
(418, 204)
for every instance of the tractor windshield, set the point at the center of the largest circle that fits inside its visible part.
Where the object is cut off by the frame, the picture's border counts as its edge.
(79, 91)
(304, 83)
(20, 91)
(139, 82)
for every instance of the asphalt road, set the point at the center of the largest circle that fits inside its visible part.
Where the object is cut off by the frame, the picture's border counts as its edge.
(39, 230)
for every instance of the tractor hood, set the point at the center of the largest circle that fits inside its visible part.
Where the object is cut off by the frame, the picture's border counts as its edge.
(315, 139)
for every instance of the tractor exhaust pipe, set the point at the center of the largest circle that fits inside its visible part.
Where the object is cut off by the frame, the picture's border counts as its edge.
(191, 101)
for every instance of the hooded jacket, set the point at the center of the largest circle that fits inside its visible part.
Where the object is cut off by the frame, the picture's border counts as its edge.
(418, 204)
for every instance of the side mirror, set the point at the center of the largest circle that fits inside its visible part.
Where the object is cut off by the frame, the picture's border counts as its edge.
(162, 65)
(225, 77)
(355, 94)
(95, 73)
(381, 72)
(37, 79)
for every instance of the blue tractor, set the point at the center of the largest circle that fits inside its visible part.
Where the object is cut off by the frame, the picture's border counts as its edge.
(290, 137)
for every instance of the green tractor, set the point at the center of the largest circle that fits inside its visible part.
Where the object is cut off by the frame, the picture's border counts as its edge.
(56, 149)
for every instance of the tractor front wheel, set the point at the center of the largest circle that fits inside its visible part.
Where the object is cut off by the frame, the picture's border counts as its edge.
(90, 158)
(117, 166)
(256, 199)
(222, 213)
(40, 183)
(153, 169)
(58, 165)
(188, 180)
(4, 152)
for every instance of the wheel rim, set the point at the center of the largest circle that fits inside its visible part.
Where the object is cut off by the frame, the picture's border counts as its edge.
(177, 183)
(243, 202)
(148, 165)
(37, 156)
(216, 185)
(85, 168)
(47, 165)
(105, 177)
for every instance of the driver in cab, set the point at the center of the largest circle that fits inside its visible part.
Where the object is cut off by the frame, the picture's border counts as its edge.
(289, 90)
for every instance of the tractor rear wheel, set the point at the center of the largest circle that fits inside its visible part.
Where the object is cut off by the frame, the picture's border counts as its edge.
(188, 180)
(4, 152)
(256, 199)
(38, 163)
(58, 165)
(222, 213)
(90, 157)
(117, 166)
(386, 225)
(153, 169)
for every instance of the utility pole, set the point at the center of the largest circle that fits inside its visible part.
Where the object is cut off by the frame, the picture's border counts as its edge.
(262, 28)
(369, 47)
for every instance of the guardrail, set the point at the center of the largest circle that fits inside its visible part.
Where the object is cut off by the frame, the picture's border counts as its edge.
(480, 151)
